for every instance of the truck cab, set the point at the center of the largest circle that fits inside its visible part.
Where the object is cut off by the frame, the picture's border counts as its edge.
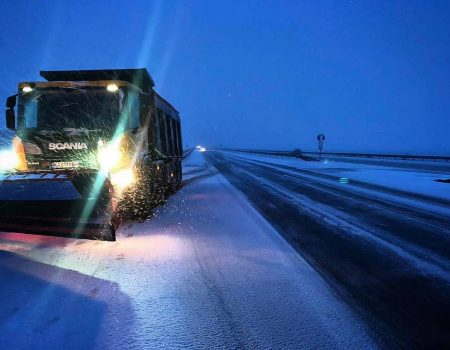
(97, 121)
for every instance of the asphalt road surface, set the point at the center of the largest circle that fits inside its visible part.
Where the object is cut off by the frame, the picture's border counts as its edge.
(388, 259)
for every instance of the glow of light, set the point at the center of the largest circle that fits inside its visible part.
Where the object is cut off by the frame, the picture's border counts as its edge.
(112, 88)
(101, 175)
(9, 160)
(97, 187)
(202, 149)
(344, 180)
(108, 157)
(122, 179)
(27, 89)
(155, 11)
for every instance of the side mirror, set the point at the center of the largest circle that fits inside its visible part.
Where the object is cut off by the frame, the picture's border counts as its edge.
(11, 101)
(10, 119)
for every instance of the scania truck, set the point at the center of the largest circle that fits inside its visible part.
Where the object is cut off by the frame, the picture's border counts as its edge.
(107, 133)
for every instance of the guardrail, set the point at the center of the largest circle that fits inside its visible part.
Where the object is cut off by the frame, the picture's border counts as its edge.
(429, 158)
(187, 152)
(315, 155)
(296, 153)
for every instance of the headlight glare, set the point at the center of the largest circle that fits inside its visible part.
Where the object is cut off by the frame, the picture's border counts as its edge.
(123, 178)
(108, 157)
(9, 160)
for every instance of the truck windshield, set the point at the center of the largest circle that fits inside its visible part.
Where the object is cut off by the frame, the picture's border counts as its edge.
(56, 109)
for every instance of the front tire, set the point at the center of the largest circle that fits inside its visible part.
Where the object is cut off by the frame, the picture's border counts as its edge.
(108, 233)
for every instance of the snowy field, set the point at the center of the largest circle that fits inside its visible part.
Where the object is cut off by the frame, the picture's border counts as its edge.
(207, 271)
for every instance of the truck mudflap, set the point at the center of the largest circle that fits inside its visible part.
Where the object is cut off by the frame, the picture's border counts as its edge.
(80, 205)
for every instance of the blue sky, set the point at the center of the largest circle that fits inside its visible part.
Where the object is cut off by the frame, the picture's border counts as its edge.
(372, 76)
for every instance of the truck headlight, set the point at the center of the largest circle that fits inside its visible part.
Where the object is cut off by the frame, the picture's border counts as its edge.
(122, 178)
(108, 157)
(112, 88)
(9, 160)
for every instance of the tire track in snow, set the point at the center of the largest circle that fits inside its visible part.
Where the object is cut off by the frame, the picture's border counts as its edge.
(404, 305)
(434, 229)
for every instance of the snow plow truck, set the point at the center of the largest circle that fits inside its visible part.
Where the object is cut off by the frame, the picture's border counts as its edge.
(90, 148)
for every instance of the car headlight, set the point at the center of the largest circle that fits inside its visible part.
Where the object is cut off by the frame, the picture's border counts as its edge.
(9, 160)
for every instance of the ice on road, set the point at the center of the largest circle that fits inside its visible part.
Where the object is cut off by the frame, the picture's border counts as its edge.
(207, 271)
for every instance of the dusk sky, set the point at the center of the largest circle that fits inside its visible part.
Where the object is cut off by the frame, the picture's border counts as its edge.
(372, 76)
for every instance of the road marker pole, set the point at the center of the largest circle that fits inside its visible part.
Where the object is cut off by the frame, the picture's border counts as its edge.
(320, 139)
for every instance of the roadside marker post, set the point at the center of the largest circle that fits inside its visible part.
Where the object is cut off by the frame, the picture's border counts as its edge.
(321, 139)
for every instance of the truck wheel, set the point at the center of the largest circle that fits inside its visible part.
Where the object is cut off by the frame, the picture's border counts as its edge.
(179, 175)
(107, 213)
(108, 233)
(175, 183)
(172, 184)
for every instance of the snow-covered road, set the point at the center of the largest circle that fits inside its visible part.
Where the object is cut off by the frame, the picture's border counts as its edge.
(380, 235)
(207, 271)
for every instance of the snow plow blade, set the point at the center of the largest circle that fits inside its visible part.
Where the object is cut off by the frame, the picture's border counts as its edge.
(69, 205)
